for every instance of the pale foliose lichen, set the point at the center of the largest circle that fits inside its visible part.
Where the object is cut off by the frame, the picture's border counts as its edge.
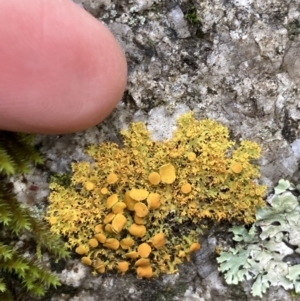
(269, 252)
(138, 207)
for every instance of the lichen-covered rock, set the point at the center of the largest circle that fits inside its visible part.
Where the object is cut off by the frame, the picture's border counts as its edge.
(237, 67)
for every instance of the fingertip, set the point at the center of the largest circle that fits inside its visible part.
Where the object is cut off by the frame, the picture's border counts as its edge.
(69, 73)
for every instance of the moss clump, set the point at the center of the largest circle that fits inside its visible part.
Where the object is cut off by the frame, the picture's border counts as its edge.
(21, 275)
(191, 16)
(293, 29)
(155, 192)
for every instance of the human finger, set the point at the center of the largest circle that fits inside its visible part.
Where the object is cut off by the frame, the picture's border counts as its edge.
(61, 69)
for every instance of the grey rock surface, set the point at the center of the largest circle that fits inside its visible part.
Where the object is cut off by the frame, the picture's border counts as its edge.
(234, 61)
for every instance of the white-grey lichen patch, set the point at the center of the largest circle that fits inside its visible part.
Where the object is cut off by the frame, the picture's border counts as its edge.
(75, 275)
(269, 252)
(178, 22)
(161, 123)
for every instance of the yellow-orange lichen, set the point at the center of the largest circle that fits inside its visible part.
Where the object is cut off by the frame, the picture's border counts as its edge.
(100, 237)
(132, 255)
(89, 186)
(93, 242)
(126, 243)
(144, 250)
(167, 173)
(52, 220)
(153, 200)
(198, 173)
(118, 208)
(138, 220)
(81, 250)
(138, 194)
(137, 230)
(98, 228)
(159, 240)
(86, 260)
(144, 272)
(118, 223)
(141, 210)
(154, 178)
(112, 243)
(109, 217)
(130, 203)
(104, 190)
(123, 266)
(108, 228)
(142, 262)
(236, 167)
(195, 247)
(112, 178)
(99, 266)
(111, 200)
(191, 156)
(186, 188)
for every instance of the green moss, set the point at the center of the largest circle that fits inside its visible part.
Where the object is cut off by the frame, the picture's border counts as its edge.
(16, 152)
(21, 275)
(197, 174)
(191, 16)
(293, 29)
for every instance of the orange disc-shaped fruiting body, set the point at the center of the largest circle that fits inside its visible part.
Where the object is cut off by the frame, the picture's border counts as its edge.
(108, 228)
(154, 178)
(93, 242)
(138, 220)
(100, 237)
(153, 200)
(126, 243)
(142, 262)
(99, 228)
(104, 190)
(138, 194)
(140, 209)
(236, 167)
(191, 156)
(123, 266)
(118, 207)
(137, 230)
(108, 218)
(112, 178)
(118, 223)
(112, 243)
(144, 272)
(99, 266)
(167, 173)
(194, 247)
(81, 250)
(144, 250)
(130, 202)
(132, 255)
(159, 240)
(89, 186)
(111, 200)
(186, 188)
(85, 260)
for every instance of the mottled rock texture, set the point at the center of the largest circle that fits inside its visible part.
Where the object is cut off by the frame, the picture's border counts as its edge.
(233, 61)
